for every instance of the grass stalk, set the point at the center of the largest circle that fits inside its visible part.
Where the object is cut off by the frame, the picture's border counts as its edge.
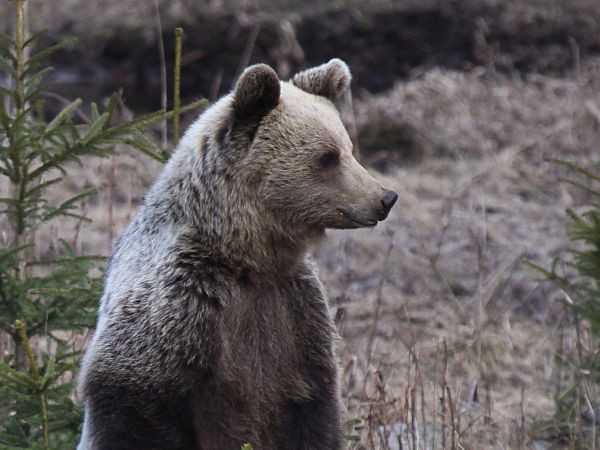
(35, 373)
(177, 84)
(163, 74)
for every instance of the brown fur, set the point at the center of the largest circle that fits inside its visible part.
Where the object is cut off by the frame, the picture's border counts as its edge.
(214, 329)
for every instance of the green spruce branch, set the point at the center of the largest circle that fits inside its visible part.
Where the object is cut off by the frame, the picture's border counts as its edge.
(57, 293)
(37, 379)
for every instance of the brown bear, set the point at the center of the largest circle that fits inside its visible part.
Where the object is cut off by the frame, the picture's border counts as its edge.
(213, 330)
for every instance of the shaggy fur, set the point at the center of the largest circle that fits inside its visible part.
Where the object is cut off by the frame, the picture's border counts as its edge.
(214, 330)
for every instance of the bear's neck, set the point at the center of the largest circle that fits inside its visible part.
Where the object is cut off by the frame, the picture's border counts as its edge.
(220, 220)
(243, 240)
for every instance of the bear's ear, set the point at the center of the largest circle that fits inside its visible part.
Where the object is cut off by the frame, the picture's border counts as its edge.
(329, 80)
(256, 92)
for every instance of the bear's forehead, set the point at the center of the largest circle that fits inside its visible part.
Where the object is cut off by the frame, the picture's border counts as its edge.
(297, 99)
(314, 112)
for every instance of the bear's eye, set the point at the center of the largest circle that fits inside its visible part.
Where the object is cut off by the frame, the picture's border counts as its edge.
(329, 159)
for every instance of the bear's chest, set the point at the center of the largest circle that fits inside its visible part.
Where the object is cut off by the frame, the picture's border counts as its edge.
(263, 335)
(270, 341)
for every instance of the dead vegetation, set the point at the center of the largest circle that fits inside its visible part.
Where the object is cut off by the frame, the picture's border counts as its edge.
(382, 40)
(449, 340)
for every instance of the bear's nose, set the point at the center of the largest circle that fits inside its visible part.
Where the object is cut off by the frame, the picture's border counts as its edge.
(388, 200)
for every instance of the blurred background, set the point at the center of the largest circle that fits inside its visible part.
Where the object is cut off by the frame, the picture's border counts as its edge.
(449, 338)
(383, 41)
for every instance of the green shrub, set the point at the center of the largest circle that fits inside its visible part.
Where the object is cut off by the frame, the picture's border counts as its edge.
(577, 273)
(47, 300)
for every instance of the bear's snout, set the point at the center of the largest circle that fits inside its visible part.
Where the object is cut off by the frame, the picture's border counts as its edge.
(388, 200)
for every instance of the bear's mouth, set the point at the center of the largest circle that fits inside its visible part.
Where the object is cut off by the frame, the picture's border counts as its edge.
(359, 222)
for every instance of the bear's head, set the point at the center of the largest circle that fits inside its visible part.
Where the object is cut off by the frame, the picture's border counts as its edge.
(299, 156)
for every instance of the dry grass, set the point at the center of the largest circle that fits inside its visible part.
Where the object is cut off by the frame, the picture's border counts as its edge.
(437, 297)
